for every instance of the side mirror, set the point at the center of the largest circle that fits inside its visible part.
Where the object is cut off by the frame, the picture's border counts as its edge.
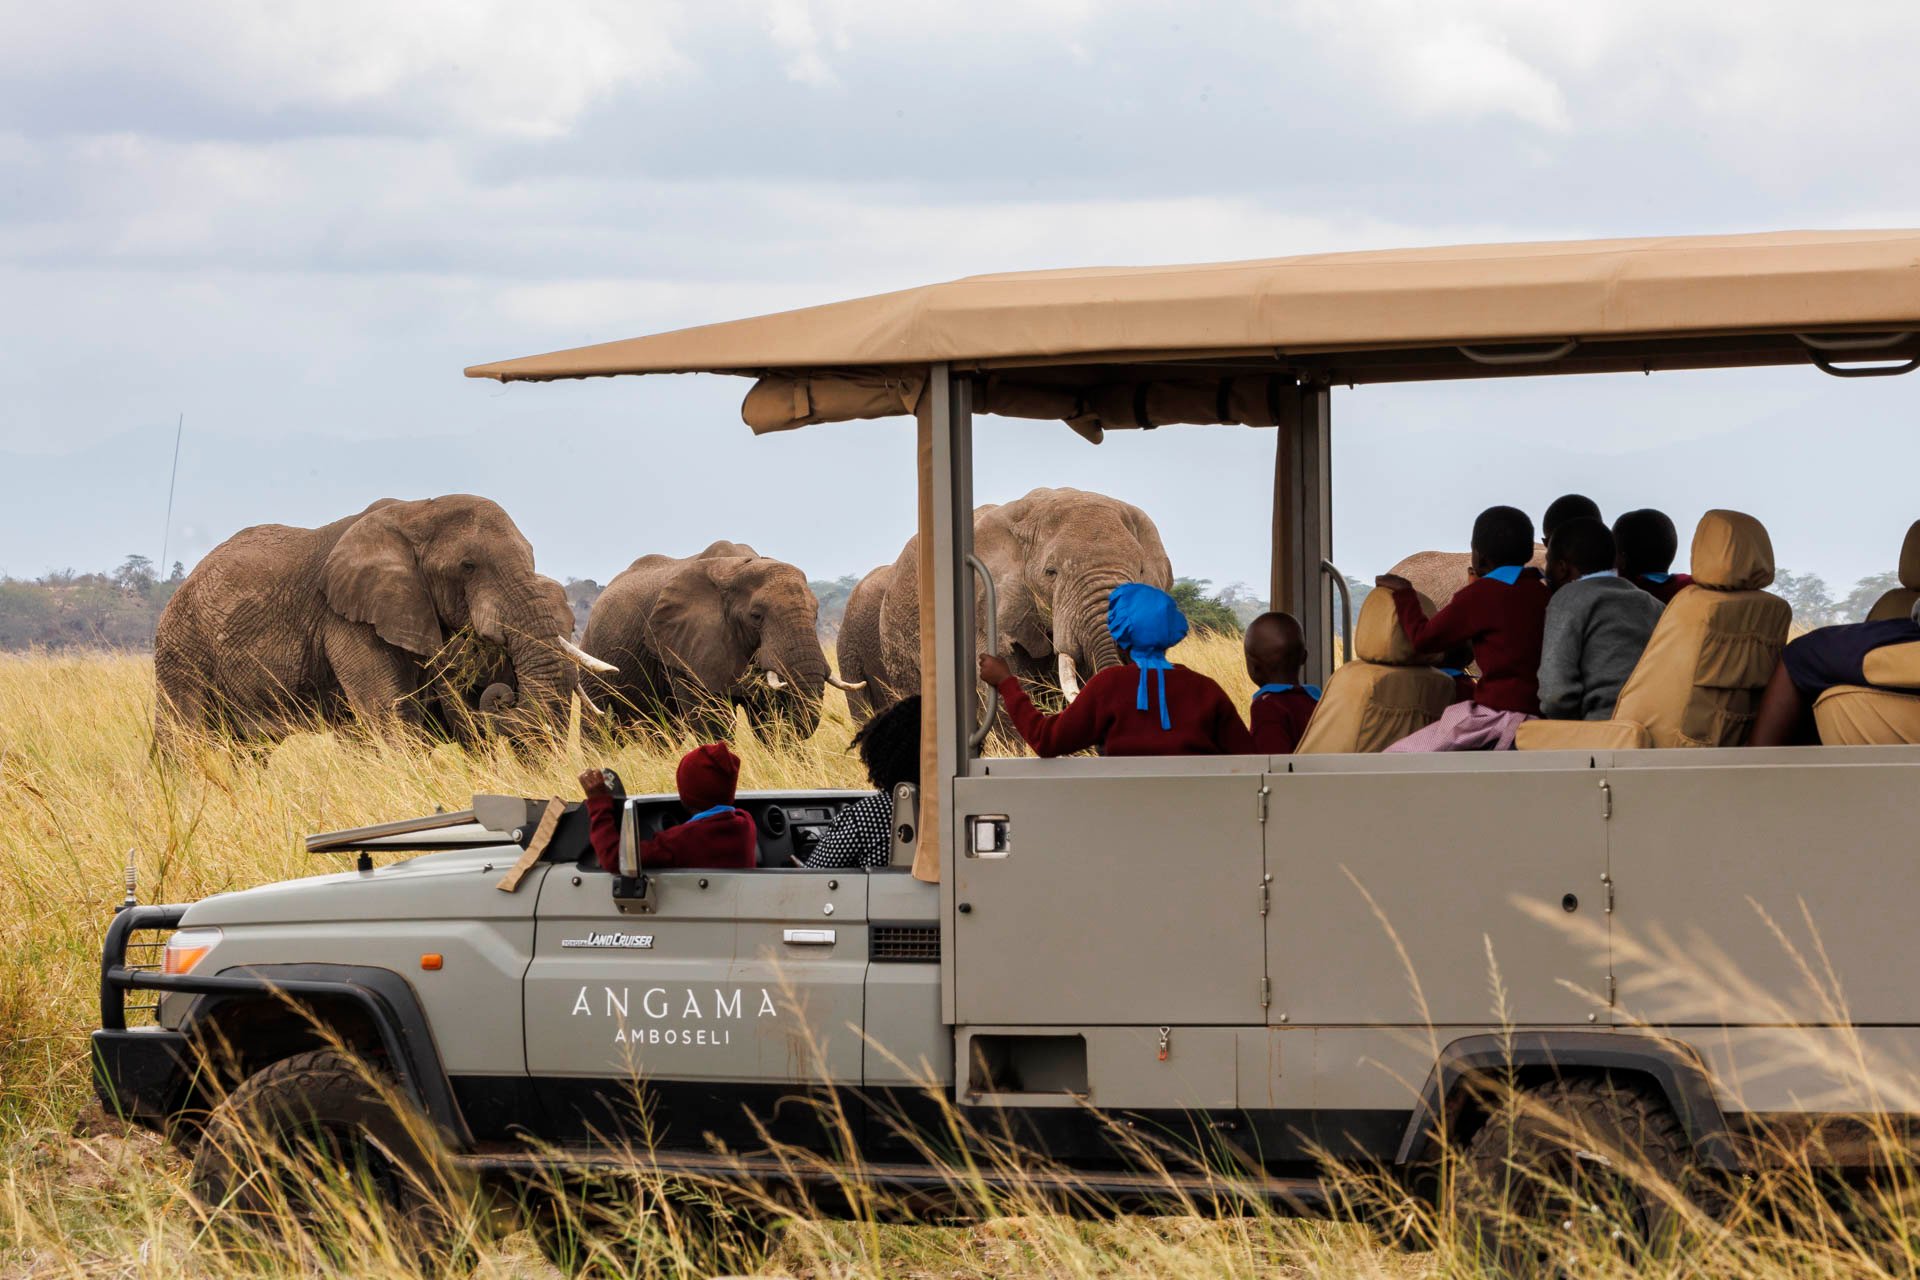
(906, 823)
(631, 889)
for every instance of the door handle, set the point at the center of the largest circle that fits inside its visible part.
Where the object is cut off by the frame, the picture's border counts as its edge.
(989, 835)
(808, 937)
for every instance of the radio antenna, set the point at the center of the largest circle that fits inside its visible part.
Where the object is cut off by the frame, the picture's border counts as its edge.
(166, 533)
(133, 898)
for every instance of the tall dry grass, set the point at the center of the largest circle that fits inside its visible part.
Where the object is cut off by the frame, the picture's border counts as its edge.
(83, 1196)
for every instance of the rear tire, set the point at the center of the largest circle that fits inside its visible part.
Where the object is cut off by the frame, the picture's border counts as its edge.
(315, 1133)
(1541, 1181)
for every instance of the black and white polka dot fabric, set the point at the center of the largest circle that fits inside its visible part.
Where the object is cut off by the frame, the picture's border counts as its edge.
(861, 836)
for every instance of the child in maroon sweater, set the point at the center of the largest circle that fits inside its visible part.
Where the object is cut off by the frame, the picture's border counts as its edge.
(715, 835)
(1276, 649)
(1150, 707)
(1502, 613)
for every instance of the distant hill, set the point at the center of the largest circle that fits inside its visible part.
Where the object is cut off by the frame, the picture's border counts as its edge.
(67, 610)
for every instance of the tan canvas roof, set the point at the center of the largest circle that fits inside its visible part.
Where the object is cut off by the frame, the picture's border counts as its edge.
(1597, 290)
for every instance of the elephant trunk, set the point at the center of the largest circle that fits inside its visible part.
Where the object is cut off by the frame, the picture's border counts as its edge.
(792, 665)
(1080, 630)
(545, 677)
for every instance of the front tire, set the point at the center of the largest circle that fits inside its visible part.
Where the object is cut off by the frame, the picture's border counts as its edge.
(310, 1145)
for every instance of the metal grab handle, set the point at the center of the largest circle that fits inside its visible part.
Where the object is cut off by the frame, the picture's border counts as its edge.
(1547, 356)
(1865, 342)
(1346, 610)
(985, 727)
(1826, 365)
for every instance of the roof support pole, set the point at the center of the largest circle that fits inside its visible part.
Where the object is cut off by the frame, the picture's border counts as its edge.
(1303, 522)
(947, 696)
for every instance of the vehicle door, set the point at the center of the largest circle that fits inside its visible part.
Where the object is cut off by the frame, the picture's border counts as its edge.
(1437, 890)
(746, 976)
(1767, 887)
(1108, 893)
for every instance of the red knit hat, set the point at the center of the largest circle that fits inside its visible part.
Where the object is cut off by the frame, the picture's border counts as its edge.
(706, 776)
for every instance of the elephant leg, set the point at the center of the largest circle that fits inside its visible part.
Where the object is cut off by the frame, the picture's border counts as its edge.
(377, 679)
(180, 702)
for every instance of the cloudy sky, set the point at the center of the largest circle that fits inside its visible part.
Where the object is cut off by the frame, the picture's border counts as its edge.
(295, 224)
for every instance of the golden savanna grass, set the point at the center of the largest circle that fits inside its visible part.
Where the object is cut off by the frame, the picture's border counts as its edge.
(82, 1196)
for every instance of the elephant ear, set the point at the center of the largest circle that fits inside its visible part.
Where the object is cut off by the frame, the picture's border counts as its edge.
(689, 622)
(372, 575)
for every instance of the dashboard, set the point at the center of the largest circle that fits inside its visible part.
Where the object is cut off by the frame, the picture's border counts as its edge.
(788, 823)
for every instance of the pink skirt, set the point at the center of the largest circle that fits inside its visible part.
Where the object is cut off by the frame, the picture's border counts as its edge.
(1466, 726)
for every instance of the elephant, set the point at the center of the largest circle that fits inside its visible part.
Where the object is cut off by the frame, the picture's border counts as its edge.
(279, 626)
(1438, 574)
(693, 637)
(1054, 554)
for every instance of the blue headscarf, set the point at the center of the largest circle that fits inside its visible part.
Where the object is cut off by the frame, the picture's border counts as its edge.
(1146, 623)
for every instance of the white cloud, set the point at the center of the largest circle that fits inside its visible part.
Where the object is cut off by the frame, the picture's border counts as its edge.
(299, 221)
(1441, 59)
(491, 67)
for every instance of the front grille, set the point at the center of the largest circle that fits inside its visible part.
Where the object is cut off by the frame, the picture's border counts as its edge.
(904, 943)
(143, 956)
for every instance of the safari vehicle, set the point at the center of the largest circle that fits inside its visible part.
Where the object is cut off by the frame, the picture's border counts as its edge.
(1255, 960)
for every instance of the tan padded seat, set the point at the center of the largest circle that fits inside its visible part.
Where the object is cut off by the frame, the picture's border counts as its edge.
(1899, 602)
(1711, 653)
(1386, 693)
(1852, 716)
(1855, 716)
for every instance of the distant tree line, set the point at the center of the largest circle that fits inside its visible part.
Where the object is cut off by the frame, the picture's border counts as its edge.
(67, 610)
(120, 608)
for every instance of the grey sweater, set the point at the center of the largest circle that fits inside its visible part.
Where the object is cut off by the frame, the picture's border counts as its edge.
(1596, 629)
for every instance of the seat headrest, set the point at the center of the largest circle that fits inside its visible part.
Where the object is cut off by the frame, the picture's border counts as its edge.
(1731, 552)
(1910, 558)
(1378, 636)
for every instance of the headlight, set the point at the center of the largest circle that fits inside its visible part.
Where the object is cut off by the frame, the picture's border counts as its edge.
(187, 948)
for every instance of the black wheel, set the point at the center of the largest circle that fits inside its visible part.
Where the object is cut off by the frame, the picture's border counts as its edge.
(310, 1143)
(1571, 1170)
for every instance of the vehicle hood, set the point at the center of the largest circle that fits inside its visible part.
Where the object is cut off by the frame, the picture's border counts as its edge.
(435, 886)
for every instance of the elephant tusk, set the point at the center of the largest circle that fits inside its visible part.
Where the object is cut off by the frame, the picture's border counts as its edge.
(774, 680)
(589, 704)
(1069, 677)
(586, 659)
(845, 686)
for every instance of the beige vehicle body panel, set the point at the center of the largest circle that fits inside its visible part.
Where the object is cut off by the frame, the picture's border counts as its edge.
(387, 918)
(1416, 900)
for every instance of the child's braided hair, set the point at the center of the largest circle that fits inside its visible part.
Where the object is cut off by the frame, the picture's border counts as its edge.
(889, 745)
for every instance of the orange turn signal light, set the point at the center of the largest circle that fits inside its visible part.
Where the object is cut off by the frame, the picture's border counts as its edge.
(431, 960)
(186, 949)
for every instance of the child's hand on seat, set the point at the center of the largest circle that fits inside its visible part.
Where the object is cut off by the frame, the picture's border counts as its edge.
(593, 781)
(993, 669)
(1392, 582)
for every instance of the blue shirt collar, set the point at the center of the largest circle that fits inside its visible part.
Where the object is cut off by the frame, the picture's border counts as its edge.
(1452, 672)
(1311, 690)
(1599, 573)
(1507, 573)
(1657, 577)
(714, 812)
